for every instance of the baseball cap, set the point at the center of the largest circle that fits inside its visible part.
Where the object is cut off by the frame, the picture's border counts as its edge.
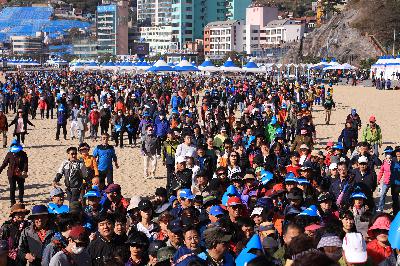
(372, 118)
(113, 188)
(145, 204)
(57, 191)
(186, 194)
(216, 210)
(354, 248)
(333, 166)
(180, 159)
(233, 201)
(155, 246)
(215, 234)
(257, 211)
(94, 193)
(79, 233)
(165, 254)
(175, 226)
(363, 159)
(329, 241)
(324, 196)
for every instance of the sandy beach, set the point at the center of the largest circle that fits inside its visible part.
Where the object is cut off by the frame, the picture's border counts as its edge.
(46, 154)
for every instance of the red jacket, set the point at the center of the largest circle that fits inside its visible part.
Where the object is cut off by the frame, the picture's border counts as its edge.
(94, 117)
(378, 253)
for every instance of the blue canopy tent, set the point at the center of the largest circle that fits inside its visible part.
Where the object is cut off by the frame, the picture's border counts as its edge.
(160, 66)
(208, 66)
(229, 66)
(252, 67)
(185, 66)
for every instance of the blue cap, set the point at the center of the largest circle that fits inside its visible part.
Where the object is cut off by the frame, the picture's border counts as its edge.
(338, 146)
(279, 131)
(357, 195)
(304, 105)
(16, 148)
(388, 149)
(284, 106)
(310, 211)
(266, 176)
(186, 194)
(290, 178)
(273, 120)
(216, 210)
(92, 193)
(232, 191)
(303, 181)
(172, 199)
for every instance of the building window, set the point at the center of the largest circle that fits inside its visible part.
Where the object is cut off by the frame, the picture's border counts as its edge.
(189, 16)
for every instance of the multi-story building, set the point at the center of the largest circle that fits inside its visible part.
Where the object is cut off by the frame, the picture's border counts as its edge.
(221, 37)
(28, 45)
(154, 12)
(236, 9)
(283, 31)
(85, 48)
(257, 17)
(112, 28)
(158, 37)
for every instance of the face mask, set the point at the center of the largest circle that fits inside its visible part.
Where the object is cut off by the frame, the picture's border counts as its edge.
(77, 250)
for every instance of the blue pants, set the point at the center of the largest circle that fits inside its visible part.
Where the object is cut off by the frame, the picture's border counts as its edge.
(382, 197)
(317, 100)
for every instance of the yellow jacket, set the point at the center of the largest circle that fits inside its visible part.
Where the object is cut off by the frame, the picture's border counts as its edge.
(90, 163)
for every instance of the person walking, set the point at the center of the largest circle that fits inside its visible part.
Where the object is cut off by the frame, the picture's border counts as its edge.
(17, 161)
(119, 128)
(21, 124)
(151, 149)
(132, 126)
(62, 117)
(74, 171)
(105, 155)
(94, 118)
(82, 121)
(328, 105)
(3, 127)
(74, 122)
(372, 134)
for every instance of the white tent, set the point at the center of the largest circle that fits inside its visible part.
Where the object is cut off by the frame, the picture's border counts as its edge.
(208, 66)
(386, 66)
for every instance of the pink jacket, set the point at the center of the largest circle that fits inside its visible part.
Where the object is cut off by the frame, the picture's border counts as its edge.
(384, 172)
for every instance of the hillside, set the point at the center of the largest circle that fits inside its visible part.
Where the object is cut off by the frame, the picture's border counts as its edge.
(363, 30)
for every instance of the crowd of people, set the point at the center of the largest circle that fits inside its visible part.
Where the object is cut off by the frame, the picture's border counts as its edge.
(247, 180)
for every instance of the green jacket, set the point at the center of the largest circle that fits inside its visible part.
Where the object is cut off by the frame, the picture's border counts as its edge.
(372, 137)
(168, 151)
(271, 133)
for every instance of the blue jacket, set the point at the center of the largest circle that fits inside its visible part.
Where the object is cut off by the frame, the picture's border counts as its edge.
(105, 155)
(176, 101)
(395, 172)
(161, 127)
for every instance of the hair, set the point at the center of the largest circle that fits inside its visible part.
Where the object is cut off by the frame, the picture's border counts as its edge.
(245, 221)
(105, 134)
(64, 222)
(314, 258)
(165, 217)
(346, 214)
(105, 217)
(69, 149)
(300, 244)
(120, 218)
(261, 261)
(189, 228)
(292, 226)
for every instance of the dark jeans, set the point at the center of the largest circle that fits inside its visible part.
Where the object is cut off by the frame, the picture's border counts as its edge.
(13, 186)
(119, 138)
(104, 128)
(132, 138)
(64, 127)
(106, 174)
(20, 137)
(395, 198)
(73, 194)
(49, 111)
(170, 175)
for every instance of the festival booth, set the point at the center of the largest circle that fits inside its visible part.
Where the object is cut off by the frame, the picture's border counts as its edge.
(160, 66)
(208, 66)
(58, 63)
(229, 66)
(185, 66)
(386, 67)
(19, 63)
(252, 67)
(141, 66)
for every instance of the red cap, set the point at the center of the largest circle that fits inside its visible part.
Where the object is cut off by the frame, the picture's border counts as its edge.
(372, 118)
(232, 201)
(329, 144)
(78, 232)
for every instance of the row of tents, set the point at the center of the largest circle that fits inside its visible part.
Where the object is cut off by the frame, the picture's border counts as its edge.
(387, 67)
(206, 66)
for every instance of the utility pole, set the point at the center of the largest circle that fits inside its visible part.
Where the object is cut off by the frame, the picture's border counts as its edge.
(394, 41)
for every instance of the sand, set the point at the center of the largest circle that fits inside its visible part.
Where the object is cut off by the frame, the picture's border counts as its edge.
(46, 154)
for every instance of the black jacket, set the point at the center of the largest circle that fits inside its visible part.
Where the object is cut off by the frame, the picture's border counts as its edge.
(100, 249)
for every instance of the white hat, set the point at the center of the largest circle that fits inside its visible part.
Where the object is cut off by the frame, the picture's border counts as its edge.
(134, 202)
(363, 159)
(189, 154)
(354, 247)
(180, 159)
(256, 211)
(333, 166)
(304, 146)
